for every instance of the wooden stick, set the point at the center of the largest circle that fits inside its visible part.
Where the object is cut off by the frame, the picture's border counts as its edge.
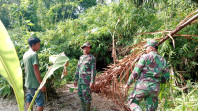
(179, 28)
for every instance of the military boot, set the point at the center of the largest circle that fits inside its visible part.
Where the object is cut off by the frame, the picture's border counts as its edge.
(88, 106)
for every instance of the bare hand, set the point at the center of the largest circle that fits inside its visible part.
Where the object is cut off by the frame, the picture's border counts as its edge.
(43, 89)
(75, 84)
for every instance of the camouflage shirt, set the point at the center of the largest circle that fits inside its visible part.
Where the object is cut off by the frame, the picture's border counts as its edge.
(86, 70)
(150, 69)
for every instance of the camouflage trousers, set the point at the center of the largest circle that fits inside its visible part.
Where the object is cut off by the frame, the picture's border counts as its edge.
(84, 93)
(151, 98)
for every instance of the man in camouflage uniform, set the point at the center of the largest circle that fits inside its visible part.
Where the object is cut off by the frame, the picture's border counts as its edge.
(151, 70)
(85, 76)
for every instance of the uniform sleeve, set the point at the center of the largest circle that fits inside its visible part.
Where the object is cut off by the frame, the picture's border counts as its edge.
(77, 71)
(166, 74)
(35, 59)
(136, 71)
(93, 70)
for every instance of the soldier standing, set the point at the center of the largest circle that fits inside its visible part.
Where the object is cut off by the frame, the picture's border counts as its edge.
(151, 70)
(85, 76)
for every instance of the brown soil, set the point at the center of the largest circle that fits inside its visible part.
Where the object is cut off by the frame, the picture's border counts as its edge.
(66, 101)
(8, 104)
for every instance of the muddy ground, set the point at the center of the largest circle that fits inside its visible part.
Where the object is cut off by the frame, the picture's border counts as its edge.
(66, 101)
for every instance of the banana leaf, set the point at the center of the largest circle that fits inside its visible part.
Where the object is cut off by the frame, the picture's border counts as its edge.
(59, 61)
(10, 67)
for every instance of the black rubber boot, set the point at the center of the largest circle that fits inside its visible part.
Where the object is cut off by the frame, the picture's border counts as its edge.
(88, 106)
(83, 106)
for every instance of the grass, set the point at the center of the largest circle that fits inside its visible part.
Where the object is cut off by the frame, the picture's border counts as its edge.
(173, 98)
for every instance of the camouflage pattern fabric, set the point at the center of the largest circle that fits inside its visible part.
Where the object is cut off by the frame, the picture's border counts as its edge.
(152, 43)
(150, 70)
(85, 74)
(150, 96)
(84, 93)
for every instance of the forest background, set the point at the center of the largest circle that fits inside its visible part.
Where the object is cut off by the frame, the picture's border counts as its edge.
(64, 25)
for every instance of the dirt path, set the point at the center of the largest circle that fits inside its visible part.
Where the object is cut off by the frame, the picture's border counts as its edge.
(67, 101)
(8, 104)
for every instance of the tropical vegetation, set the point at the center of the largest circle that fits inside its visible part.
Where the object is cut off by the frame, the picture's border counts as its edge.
(64, 25)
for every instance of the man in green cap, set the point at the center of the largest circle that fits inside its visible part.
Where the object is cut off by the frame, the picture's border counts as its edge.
(85, 76)
(151, 70)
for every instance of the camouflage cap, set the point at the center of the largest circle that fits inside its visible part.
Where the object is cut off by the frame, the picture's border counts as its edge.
(152, 43)
(87, 44)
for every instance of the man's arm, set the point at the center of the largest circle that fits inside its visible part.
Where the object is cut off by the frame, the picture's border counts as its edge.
(37, 73)
(38, 76)
(36, 70)
(136, 71)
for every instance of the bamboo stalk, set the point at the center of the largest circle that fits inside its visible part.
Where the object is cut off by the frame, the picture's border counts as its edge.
(179, 28)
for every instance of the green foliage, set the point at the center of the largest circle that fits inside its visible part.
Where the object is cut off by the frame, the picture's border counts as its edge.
(63, 27)
(5, 88)
(56, 78)
(173, 98)
(60, 12)
(43, 14)
(71, 70)
(87, 3)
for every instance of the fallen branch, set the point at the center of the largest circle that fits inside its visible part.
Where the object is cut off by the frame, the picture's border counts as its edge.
(111, 81)
(179, 28)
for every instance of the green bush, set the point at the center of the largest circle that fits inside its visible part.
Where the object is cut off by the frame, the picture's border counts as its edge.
(5, 88)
